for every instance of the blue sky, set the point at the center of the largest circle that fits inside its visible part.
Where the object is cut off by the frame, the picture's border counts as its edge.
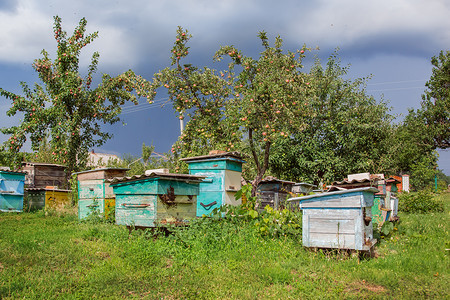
(393, 40)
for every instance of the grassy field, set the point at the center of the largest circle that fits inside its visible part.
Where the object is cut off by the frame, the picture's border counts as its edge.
(51, 255)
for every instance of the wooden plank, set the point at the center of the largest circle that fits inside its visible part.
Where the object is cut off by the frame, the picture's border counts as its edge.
(179, 187)
(334, 213)
(88, 206)
(231, 200)
(232, 180)
(214, 180)
(109, 191)
(337, 201)
(178, 212)
(207, 201)
(143, 187)
(339, 241)
(136, 210)
(56, 199)
(36, 200)
(90, 189)
(332, 226)
(11, 202)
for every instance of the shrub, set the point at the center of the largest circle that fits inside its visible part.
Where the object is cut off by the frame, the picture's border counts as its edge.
(419, 202)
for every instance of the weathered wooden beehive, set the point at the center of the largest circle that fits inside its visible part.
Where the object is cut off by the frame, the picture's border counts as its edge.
(223, 179)
(274, 192)
(48, 198)
(95, 192)
(340, 219)
(40, 175)
(156, 199)
(11, 191)
(303, 188)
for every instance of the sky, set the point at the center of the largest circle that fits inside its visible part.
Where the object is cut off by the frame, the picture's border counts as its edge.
(390, 40)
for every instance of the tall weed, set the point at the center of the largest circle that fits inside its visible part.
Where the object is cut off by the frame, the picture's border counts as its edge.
(421, 202)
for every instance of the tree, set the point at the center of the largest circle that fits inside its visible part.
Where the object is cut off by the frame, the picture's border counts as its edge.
(347, 131)
(198, 95)
(435, 108)
(255, 100)
(270, 98)
(65, 108)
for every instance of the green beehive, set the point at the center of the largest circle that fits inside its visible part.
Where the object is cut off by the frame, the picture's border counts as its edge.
(156, 199)
(94, 191)
(223, 179)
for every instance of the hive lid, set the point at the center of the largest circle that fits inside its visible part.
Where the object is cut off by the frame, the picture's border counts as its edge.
(46, 189)
(168, 176)
(363, 189)
(100, 169)
(274, 179)
(235, 155)
(29, 163)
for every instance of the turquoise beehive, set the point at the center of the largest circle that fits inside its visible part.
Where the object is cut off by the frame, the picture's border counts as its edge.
(156, 199)
(223, 179)
(11, 191)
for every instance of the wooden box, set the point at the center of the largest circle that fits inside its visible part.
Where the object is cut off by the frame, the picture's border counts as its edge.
(94, 191)
(274, 192)
(340, 219)
(223, 179)
(40, 175)
(156, 199)
(11, 191)
(39, 198)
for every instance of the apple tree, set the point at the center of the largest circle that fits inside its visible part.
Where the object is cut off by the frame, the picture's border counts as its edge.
(65, 107)
(347, 132)
(270, 99)
(200, 96)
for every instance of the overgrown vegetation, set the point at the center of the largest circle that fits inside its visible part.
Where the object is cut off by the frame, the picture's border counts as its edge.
(53, 255)
(420, 202)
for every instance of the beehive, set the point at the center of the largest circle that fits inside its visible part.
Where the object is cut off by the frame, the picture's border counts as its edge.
(340, 219)
(274, 192)
(47, 198)
(223, 179)
(156, 199)
(11, 191)
(94, 191)
(40, 175)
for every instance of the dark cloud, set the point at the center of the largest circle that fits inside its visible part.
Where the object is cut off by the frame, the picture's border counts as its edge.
(8, 5)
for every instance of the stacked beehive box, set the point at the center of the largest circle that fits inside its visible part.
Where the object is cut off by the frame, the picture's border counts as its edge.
(94, 191)
(223, 172)
(11, 190)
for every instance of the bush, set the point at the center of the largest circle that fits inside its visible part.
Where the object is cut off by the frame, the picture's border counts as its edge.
(419, 202)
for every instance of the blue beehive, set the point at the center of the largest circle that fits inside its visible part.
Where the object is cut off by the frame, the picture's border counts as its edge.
(11, 191)
(223, 179)
(340, 219)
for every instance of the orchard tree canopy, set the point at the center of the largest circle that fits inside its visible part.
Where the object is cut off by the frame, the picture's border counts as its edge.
(200, 95)
(436, 101)
(346, 131)
(270, 98)
(65, 108)
(242, 108)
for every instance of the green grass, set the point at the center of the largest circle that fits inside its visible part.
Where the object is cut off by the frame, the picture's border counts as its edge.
(54, 256)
